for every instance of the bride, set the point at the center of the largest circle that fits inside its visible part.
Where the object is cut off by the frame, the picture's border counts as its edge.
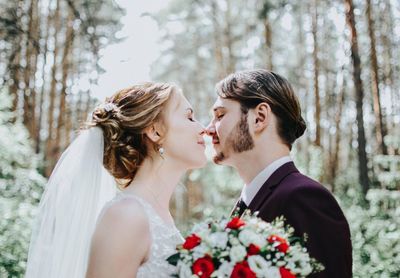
(145, 137)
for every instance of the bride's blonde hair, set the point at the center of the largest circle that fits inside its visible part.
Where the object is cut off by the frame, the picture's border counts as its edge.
(123, 119)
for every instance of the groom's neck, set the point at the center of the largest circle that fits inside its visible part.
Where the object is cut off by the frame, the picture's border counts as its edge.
(249, 164)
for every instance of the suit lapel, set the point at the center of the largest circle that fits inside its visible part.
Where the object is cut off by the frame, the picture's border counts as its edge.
(270, 184)
(234, 210)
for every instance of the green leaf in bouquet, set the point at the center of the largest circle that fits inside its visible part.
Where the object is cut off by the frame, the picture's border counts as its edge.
(174, 259)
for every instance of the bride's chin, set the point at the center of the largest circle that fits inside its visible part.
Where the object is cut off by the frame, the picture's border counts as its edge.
(200, 163)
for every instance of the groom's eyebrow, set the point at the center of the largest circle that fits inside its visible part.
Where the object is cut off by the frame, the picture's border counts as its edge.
(215, 109)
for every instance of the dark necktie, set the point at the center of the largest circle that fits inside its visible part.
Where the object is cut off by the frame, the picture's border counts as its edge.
(239, 208)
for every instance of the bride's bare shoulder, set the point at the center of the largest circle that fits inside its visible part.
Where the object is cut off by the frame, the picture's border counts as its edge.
(127, 212)
(121, 240)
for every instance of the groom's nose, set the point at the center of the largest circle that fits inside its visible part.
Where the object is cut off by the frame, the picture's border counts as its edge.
(210, 129)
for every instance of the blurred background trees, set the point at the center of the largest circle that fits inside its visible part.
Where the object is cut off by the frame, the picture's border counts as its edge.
(342, 58)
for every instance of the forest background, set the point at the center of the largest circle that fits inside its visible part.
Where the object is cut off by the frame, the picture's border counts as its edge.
(342, 58)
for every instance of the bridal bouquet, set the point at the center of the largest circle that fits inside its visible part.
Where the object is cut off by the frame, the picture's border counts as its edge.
(243, 247)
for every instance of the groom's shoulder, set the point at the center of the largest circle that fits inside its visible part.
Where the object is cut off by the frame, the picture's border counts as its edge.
(297, 183)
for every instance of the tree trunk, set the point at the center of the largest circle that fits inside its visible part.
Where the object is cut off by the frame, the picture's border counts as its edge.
(50, 148)
(389, 67)
(219, 60)
(37, 138)
(268, 43)
(338, 117)
(68, 124)
(31, 47)
(14, 64)
(66, 65)
(380, 126)
(362, 155)
(314, 21)
(229, 39)
(15, 76)
(88, 106)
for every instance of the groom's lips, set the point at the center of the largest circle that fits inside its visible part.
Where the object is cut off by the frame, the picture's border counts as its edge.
(215, 141)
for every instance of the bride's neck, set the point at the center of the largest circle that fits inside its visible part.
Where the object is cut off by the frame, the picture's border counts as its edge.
(157, 180)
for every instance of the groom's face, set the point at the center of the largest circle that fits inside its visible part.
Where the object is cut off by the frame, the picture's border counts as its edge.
(229, 130)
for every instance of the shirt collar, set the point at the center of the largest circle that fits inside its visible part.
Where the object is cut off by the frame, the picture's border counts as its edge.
(250, 190)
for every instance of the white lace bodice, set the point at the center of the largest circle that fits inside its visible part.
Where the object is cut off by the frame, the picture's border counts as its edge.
(164, 239)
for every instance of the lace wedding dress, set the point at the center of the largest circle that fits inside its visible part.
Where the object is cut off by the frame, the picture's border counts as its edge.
(164, 238)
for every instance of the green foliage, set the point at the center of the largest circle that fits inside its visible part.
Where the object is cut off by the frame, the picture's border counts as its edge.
(376, 235)
(21, 186)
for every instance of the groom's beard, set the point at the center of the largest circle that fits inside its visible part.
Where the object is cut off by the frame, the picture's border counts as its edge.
(239, 140)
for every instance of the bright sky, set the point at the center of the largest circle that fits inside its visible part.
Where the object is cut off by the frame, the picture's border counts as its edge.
(129, 62)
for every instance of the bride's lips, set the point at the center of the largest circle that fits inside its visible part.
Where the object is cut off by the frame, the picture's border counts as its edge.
(202, 143)
(215, 140)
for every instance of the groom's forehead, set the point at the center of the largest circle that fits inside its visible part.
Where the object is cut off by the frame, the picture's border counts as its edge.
(222, 103)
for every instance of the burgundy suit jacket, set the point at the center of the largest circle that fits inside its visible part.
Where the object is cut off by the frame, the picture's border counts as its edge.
(310, 209)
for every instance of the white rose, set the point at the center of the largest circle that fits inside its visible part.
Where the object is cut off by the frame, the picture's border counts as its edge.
(219, 240)
(258, 265)
(234, 241)
(184, 270)
(200, 251)
(247, 237)
(201, 229)
(225, 269)
(238, 253)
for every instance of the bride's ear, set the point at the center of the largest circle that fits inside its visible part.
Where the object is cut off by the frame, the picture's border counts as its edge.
(153, 132)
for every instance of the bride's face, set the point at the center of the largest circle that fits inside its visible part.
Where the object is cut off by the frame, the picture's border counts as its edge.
(184, 142)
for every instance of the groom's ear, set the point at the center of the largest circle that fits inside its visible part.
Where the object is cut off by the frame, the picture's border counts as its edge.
(153, 132)
(262, 116)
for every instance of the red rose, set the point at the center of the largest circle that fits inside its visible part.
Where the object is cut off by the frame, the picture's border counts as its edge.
(242, 270)
(235, 223)
(203, 267)
(253, 250)
(285, 273)
(283, 246)
(191, 242)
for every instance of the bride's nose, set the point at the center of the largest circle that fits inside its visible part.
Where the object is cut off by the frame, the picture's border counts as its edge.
(210, 129)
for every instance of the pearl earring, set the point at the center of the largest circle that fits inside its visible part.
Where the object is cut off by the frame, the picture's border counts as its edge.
(161, 151)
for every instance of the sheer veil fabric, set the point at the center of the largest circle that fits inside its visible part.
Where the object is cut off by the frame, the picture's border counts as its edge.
(76, 192)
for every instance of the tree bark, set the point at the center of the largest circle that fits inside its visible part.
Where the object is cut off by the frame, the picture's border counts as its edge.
(314, 21)
(219, 60)
(379, 123)
(268, 42)
(338, 118)
(37, 137)
(31, 52)
(229, 39)
(362, 155)
(389, 67)
(66, 65)
(50, 148)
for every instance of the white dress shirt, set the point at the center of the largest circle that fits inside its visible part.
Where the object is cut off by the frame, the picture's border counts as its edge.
(250, 190)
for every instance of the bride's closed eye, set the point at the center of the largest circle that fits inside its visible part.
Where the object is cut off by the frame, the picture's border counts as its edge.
(190, 115)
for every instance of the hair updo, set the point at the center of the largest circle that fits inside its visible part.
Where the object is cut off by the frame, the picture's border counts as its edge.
(123, 119)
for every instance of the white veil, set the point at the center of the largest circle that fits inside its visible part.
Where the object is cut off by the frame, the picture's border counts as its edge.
(76, 192)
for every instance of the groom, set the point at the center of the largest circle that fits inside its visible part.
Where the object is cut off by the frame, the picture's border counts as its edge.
(257, 118)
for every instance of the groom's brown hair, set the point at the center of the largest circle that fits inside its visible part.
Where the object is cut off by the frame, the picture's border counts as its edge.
(253, 87)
